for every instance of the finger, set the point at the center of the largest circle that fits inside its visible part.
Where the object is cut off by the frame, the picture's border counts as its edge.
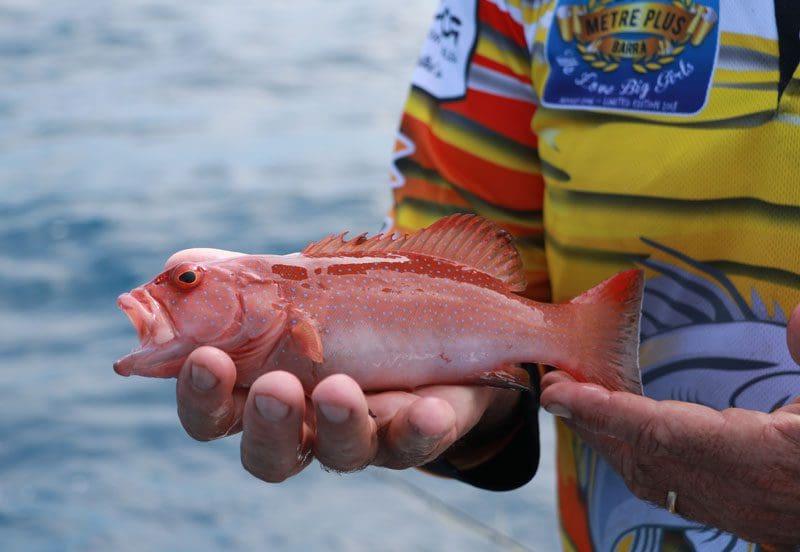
(693, 432)
(402, 443)
(793, 334)
(208, 405)
(429, 423)
(738, 504)
(385, 405)
(418, 434)
(347, 436)
(199, 254)
(554, 376)
(275, 439)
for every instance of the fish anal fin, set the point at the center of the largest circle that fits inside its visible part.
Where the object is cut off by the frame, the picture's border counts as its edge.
(307, 339)
(466, 239)
(507, 376)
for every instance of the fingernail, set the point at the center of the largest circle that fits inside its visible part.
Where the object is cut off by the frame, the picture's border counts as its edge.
(335, 414)
(270, 408)
(558, 410)
(202, 378)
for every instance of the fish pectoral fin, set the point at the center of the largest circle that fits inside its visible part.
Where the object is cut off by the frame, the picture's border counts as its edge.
(307, 340)
(507, 376)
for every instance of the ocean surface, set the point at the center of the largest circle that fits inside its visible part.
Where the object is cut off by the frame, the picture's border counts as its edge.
(129, 130)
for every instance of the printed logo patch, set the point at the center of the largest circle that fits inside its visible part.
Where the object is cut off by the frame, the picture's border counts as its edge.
(623, 55)
(442, 67)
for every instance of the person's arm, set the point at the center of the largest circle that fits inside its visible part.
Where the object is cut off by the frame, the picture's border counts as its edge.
(737, 470)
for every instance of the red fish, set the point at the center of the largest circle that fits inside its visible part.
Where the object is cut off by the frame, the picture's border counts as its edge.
(434, 307)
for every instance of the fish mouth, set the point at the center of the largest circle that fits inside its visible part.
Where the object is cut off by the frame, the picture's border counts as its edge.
(159, 350)
(150, 319)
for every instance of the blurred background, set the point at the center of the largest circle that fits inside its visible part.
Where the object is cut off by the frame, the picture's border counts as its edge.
(131, 129)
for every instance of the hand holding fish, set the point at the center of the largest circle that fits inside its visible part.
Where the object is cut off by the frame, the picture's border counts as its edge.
(298, 350)
(282, 430)
(737, 470)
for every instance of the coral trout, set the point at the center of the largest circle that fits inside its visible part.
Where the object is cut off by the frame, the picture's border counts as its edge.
(434, 307)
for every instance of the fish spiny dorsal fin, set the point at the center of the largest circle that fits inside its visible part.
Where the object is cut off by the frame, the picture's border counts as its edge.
(466, 239)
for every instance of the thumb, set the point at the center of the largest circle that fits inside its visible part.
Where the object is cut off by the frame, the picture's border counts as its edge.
(793, 334)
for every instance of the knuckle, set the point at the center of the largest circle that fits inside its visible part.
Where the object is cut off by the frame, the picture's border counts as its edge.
(265, 476)
(595, 421)
(646, 478)
(649, 474)
(787, 429)
(402, 456)
(257, 466)
(342, 466)
(205, 426)
(402, 459)
(197, 435)
(649, 437)
(342, 461)
(354, 468)
(195, 430)
(346, 451)
(627, 471)
(415, 449)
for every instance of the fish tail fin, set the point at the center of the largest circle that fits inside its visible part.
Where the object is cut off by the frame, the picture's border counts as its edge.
(607, 319)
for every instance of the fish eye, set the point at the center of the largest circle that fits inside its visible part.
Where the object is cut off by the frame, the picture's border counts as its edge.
(186, 276)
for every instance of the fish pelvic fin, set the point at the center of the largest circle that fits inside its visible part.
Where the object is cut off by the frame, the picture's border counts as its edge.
(608, 318)
(466, 239)
(506, 376)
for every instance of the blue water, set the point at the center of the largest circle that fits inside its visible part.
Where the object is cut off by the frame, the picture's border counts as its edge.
(129, 130)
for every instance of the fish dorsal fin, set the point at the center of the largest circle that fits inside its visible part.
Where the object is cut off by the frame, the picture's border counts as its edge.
(466, 239)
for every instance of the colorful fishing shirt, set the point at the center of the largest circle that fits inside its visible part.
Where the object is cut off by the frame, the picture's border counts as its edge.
(606, 134)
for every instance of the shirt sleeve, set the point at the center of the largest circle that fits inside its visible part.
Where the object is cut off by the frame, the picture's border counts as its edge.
(466, 144)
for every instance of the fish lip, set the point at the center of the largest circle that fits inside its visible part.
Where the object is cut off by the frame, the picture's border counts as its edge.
(157, 334)
(136, 312)
(151, 320)
(156, 362)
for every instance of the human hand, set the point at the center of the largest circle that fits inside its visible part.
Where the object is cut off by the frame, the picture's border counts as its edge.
(283, 430)
(737, 470)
